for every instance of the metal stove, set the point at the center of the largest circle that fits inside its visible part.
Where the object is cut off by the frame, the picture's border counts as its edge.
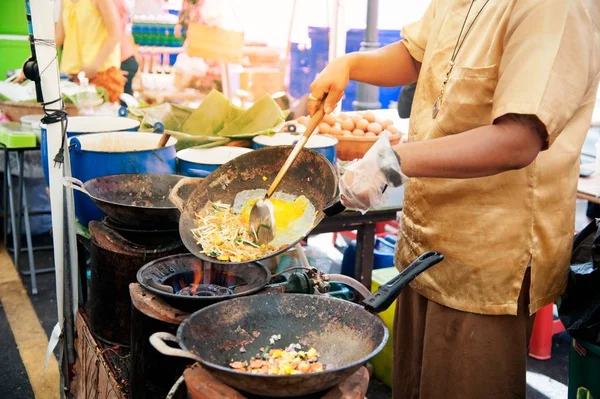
(117, 252)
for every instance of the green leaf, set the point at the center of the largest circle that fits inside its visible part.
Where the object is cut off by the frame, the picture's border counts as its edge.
(264, 115)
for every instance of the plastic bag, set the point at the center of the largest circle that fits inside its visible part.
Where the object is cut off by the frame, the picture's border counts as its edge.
(579, 306)
(364, 182)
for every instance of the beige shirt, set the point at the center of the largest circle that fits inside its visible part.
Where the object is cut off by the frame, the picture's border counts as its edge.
(537, 57)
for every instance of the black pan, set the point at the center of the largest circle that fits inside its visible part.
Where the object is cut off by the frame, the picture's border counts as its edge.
(135, 200)
(345, 334)
(311, 175)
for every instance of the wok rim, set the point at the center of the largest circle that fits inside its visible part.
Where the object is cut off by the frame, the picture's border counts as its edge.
(199, 299)
(197, 249)
(103, 201)
(360, 362)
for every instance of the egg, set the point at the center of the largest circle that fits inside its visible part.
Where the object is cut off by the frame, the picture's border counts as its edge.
(343, 116)
(324, 128)
(370, 134)
(370, 116)
(286, 212)
(337, 124)
(347, 124)
(336, 131)
(358, 132)
(386, 123)
(355, 118)
(374, 127)
(392, 129)
(329, 119)
(303, 120)
(362, 124)
(346, 133)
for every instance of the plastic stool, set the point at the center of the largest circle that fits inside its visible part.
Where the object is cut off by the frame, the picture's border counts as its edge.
(544, 328)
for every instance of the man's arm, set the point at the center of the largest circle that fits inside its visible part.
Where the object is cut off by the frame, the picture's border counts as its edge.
(375, 67)
(391, 65)
(512, 142)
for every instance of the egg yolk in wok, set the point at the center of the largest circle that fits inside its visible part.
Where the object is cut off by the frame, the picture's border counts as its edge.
(286, 212)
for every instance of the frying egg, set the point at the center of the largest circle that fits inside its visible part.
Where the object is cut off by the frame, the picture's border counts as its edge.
(286, 212)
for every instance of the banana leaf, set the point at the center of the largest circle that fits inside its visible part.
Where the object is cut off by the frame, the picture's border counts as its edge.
(171, 116)
(212, 115)
(185, 140)
(261, 118)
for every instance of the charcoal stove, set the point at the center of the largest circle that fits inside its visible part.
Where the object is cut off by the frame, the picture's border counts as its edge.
(117, 253)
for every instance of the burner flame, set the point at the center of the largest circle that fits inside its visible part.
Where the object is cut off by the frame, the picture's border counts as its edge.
(202, 280)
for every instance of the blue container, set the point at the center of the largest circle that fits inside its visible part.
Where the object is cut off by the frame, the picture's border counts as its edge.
(77, 125)
(383, 256)
(200, 162)
(325, 145)
(114, 153)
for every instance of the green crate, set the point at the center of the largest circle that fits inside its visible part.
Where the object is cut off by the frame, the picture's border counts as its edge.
(584, 371)
(14, 54)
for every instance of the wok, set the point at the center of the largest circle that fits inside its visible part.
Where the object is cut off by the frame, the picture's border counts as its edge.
(344, 333)
(311, 175)
(135, 200)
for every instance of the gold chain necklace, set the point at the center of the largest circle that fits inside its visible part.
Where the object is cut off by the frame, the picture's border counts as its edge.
(457, 47)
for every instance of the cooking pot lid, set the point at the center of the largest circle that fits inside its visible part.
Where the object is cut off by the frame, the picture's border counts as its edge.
(120, 142)
(315, 141)
(211, 156)
(100, 124)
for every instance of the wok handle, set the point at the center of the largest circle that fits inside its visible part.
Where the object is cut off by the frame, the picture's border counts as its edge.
(75, 184)
(157, 340)
(174, 196)
(387, 293)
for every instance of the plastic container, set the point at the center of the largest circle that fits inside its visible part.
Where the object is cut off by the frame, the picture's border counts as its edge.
(383, 256)
(584, 370)
(200, 162)
(78, 125)
(104, 154)
(382, 362)
(323, 144)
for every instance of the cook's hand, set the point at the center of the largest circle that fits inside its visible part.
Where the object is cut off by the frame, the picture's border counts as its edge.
(90, 71)
(362, 186)
(332, 80)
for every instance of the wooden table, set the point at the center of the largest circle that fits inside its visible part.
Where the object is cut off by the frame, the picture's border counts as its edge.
(588, 188)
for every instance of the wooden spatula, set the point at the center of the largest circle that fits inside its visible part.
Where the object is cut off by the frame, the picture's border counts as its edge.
(262, 215)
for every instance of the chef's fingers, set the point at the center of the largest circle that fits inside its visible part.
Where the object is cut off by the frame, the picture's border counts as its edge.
(315, 96)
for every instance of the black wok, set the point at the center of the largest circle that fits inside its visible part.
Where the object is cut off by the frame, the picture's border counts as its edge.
(311, 175)
(344, 333)
(135, 200)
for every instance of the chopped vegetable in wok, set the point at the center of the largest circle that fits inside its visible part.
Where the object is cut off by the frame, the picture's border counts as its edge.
(290, 361)
(225, 236)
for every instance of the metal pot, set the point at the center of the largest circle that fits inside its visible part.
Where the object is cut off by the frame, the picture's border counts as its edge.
(104, 154)
(200, 162)
(78, 125)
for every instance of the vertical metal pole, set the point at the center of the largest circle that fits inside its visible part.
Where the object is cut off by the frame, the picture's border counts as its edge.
(367, 96)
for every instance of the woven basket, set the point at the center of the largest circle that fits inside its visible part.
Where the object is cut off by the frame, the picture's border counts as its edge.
(351, 148)
(15, 110)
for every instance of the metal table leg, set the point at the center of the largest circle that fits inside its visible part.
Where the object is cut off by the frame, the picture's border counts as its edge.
(12, 210)
(365, 245)
(31, 260)
(5, 199)
(19, 207)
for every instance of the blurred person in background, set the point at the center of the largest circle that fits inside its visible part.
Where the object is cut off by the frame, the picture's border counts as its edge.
(129, 63)
(89, 32)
